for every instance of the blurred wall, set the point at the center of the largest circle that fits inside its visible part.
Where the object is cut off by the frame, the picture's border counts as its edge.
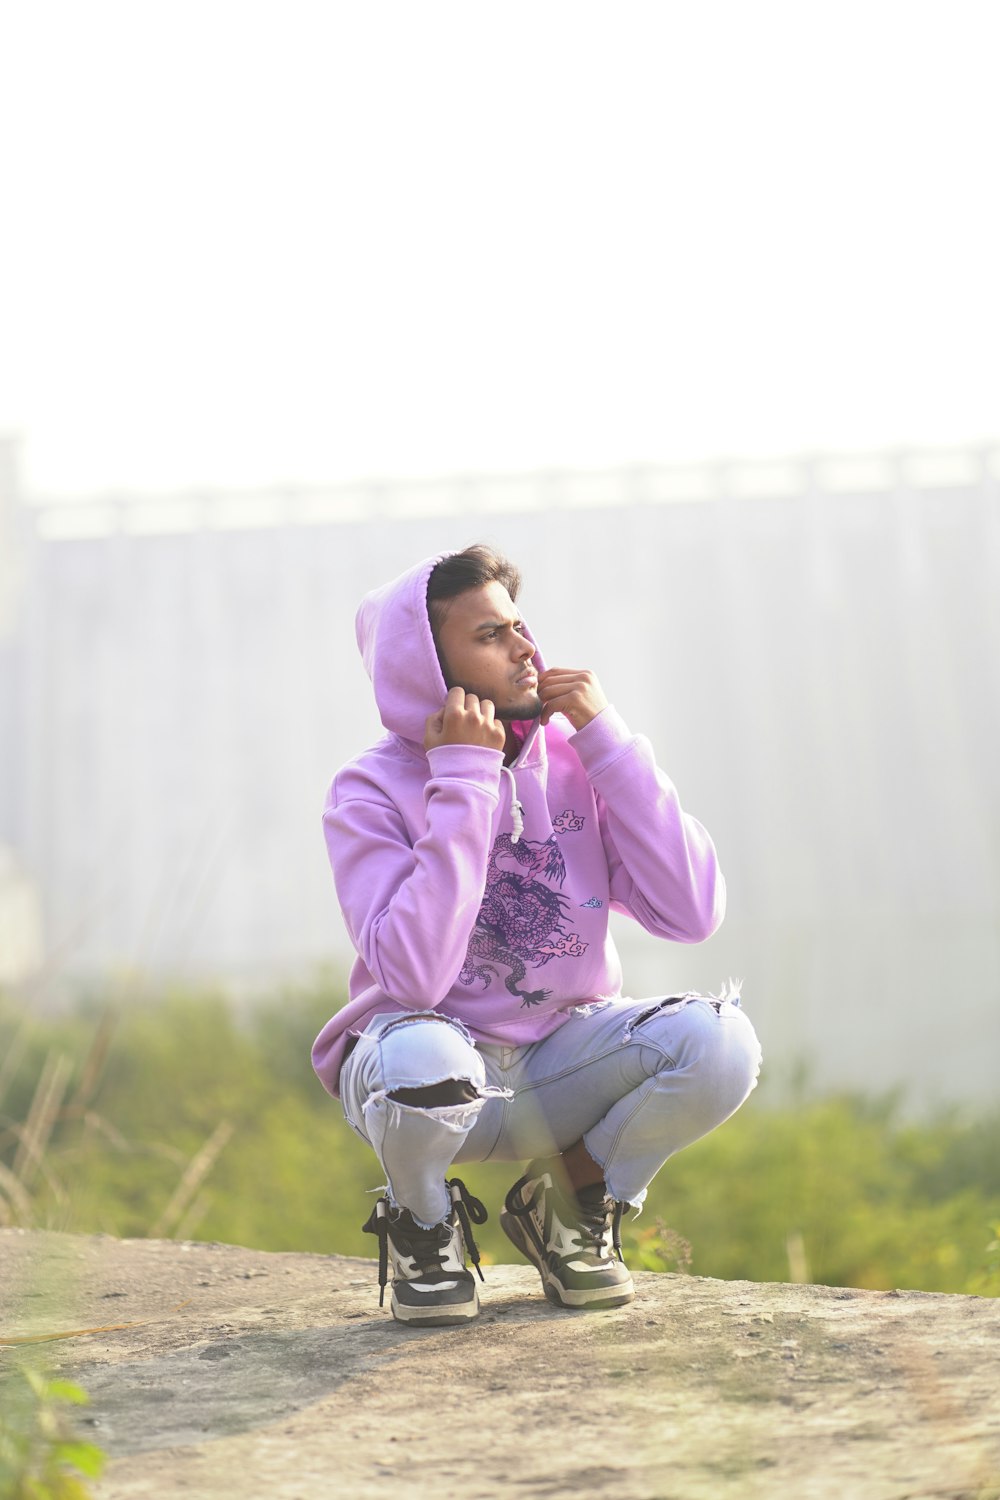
(813, 649)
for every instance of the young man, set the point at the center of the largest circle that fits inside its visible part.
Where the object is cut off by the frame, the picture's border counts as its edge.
(477, 850)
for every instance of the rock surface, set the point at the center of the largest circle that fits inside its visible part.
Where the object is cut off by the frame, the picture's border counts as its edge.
(214, 1370)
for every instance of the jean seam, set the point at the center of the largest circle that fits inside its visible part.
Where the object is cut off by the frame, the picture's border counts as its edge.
(505, 1107)
(598, 1057)
(619, 1132)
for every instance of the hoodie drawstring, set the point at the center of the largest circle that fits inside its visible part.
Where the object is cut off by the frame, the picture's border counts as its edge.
(516, 810)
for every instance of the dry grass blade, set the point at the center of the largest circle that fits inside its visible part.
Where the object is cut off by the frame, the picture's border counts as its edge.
(14, 1194)
(42, 1116)
(92, 1121)
(93, 1066)
(197, 1170)
(80, 1333)
(14, 1055)
(798, 1261)
(196, 1212)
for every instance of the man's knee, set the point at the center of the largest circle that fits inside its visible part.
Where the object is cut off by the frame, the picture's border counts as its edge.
(730, 1058)
(713, 1043)
(429, 1062)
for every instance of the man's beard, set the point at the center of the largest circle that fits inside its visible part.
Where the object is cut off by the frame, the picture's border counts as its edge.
(530, 709)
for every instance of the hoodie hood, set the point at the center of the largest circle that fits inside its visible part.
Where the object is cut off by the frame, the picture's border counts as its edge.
(397, 647)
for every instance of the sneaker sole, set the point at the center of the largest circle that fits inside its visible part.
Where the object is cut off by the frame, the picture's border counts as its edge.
(558, 1295)
(435, 1317)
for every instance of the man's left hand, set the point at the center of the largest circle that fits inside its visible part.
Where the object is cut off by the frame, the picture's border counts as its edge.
(576, 695)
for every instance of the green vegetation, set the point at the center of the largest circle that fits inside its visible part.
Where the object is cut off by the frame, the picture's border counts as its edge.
(182, 1119)
(40, 1456)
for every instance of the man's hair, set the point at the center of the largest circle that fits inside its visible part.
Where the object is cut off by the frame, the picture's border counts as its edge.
(466, 570)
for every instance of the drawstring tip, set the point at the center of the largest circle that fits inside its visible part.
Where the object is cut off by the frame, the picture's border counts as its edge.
(516, 810)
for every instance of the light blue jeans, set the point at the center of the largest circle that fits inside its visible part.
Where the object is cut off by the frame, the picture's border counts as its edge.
(637, 1080)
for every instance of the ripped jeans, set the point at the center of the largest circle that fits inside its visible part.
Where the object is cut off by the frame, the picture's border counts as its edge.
(637, 1080)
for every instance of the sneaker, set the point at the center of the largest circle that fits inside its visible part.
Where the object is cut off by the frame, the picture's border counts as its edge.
(430, 1284)
(575, 1243)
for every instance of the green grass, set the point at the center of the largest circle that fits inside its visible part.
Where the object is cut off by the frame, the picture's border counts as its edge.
(176, 1117)
(41, 1456)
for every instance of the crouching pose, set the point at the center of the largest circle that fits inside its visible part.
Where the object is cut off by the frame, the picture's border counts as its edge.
(477, 851)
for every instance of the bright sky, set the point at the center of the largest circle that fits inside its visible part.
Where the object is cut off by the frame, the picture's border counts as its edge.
(282, 240)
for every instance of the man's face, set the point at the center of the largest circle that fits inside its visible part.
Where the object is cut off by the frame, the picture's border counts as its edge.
(482, 650)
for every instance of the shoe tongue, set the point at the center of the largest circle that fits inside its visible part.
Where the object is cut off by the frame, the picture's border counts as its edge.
(592, 1197)
(409, 1225)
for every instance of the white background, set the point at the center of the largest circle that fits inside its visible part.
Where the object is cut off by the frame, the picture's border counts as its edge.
(247, 243)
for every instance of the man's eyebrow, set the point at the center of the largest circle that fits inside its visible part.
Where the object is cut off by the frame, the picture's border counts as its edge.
(498, 624)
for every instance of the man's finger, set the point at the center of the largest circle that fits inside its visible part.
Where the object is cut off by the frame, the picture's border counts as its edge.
(557, 687)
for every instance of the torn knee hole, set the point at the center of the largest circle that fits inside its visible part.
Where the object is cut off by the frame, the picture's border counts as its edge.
(443, 1095)
(669, 1004)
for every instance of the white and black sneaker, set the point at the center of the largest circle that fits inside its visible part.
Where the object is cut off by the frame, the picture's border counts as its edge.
(575, 1243)
(430, 1284)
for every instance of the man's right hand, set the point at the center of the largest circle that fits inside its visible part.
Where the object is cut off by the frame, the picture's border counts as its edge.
(464, 720)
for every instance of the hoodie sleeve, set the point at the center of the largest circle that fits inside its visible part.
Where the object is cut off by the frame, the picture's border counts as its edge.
(662, 864)
(410, 907)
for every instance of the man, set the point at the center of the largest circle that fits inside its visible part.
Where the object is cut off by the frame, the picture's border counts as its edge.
(477, 850)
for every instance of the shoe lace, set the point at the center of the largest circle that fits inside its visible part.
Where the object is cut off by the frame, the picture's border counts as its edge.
(470, 1210)
(595, 1207)
(426, 1246)
(590, 1212)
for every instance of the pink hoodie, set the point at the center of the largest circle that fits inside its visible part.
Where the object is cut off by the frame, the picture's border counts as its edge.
(483, 892)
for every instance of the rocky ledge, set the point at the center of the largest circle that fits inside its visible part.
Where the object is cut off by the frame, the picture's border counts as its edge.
(214, 1370)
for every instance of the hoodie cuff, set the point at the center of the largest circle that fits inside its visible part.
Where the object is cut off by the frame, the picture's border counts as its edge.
(602, 741)
(477, 765)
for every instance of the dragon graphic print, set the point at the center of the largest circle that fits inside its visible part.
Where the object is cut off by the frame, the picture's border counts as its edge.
(522, 921)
